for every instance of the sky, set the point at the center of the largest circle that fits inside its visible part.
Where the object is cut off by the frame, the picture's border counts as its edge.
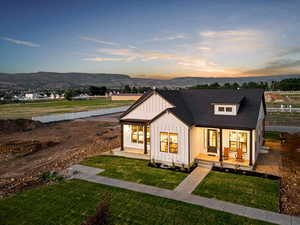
(154, 39)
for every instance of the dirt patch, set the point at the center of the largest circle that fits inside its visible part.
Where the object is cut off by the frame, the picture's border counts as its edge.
(11, 126)
(50, 147)
(290, 170)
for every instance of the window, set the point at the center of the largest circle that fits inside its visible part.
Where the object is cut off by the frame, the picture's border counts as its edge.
(221, 109)
(137, 134)
(225, 109)
(168, 142)
(173, 142)
(228, 109)
(164, 142)
(238, 140)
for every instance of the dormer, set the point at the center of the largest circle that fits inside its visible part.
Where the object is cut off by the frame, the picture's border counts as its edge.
(228, 106)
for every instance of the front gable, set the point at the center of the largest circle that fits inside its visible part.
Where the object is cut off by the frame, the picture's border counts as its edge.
(148, 109)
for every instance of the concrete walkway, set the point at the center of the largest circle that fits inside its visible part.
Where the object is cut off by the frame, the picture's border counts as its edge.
(192, 180)
(88, 174)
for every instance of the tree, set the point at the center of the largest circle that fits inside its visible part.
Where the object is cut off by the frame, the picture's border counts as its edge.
(127, 89)
(94, 90)
(69, 94)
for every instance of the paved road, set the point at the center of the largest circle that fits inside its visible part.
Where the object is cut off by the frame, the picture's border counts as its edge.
(79, 115)
(288, 129)
(114, 117)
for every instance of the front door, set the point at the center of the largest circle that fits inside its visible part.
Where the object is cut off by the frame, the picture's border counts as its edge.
(212, 141)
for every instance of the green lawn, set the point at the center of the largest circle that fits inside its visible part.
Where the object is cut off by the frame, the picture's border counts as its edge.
(27, 110)
(69, 202)
(136, 170)
(272, 135)
(245, 190)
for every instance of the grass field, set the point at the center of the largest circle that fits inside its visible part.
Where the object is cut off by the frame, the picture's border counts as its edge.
(283, 119)
(245, 190)
(69, 202)
(27, 110)
(136, 170)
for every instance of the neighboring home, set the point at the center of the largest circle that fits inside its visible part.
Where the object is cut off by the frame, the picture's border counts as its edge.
(125, 97)
(223, 127)
(31, 96)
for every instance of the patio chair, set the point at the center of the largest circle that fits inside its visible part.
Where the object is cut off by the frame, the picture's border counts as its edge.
(239, 155)
(226, 154)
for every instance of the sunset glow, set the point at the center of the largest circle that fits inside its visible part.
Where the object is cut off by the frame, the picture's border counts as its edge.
(160, 39)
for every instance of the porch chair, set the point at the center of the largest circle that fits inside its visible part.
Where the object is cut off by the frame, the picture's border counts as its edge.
(239, 155)
(226, 154)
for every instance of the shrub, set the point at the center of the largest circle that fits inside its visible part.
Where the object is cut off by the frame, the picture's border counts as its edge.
(51, 176)
(102, 215)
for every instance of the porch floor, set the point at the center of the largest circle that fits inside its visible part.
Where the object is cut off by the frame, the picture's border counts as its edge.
(232, 161)
(131, 153)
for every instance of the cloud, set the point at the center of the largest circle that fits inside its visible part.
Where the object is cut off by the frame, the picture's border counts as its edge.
(102, 59)
(232, 41)
(203, 48)
(168, 38)
(98, 41)
(19, 42)
(288, 52)
(231, 34)
(188, 62)
(277, 67)
(131, 46)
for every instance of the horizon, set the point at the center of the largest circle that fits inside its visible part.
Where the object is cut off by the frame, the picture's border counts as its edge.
(228, 39)
(158, 77)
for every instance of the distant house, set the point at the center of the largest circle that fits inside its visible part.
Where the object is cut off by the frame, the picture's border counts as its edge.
(219, 127)
(125, 97)
(31, 96)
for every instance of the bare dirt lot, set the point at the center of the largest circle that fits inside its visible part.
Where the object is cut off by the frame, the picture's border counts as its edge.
(284, 160)
(28, 148)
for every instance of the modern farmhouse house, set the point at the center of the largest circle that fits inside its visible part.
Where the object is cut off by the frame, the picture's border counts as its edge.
(222, 127)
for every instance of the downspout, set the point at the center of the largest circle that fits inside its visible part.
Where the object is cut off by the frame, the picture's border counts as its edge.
(189, 147)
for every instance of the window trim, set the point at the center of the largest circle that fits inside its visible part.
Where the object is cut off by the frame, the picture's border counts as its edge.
(168, 142)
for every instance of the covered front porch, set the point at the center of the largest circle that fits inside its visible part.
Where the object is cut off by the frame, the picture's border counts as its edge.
(223, 147)
(135, 136)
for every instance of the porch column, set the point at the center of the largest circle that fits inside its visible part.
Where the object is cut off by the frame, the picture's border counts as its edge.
(122, 136)
(221, 146)
(145, 138)
(251, 148)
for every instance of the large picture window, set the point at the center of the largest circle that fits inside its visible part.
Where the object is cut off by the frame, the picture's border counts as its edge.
(238, 139)
(168, 142)
(137, 134)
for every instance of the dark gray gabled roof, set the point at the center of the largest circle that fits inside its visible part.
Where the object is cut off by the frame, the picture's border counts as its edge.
(195, 107)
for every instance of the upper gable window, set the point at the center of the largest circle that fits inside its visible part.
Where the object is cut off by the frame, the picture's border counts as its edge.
(221, 109)
(228, 109)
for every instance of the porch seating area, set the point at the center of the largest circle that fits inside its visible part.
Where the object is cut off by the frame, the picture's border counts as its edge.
(225, 160)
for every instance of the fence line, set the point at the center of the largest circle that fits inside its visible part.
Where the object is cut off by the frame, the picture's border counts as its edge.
(283, 110)
(78, 115)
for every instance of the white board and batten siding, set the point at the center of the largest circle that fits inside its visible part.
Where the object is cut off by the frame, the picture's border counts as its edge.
(258, 132)
(170, 123)
(149, 108)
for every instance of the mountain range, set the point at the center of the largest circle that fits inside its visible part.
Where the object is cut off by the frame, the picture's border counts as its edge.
(53, 80)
